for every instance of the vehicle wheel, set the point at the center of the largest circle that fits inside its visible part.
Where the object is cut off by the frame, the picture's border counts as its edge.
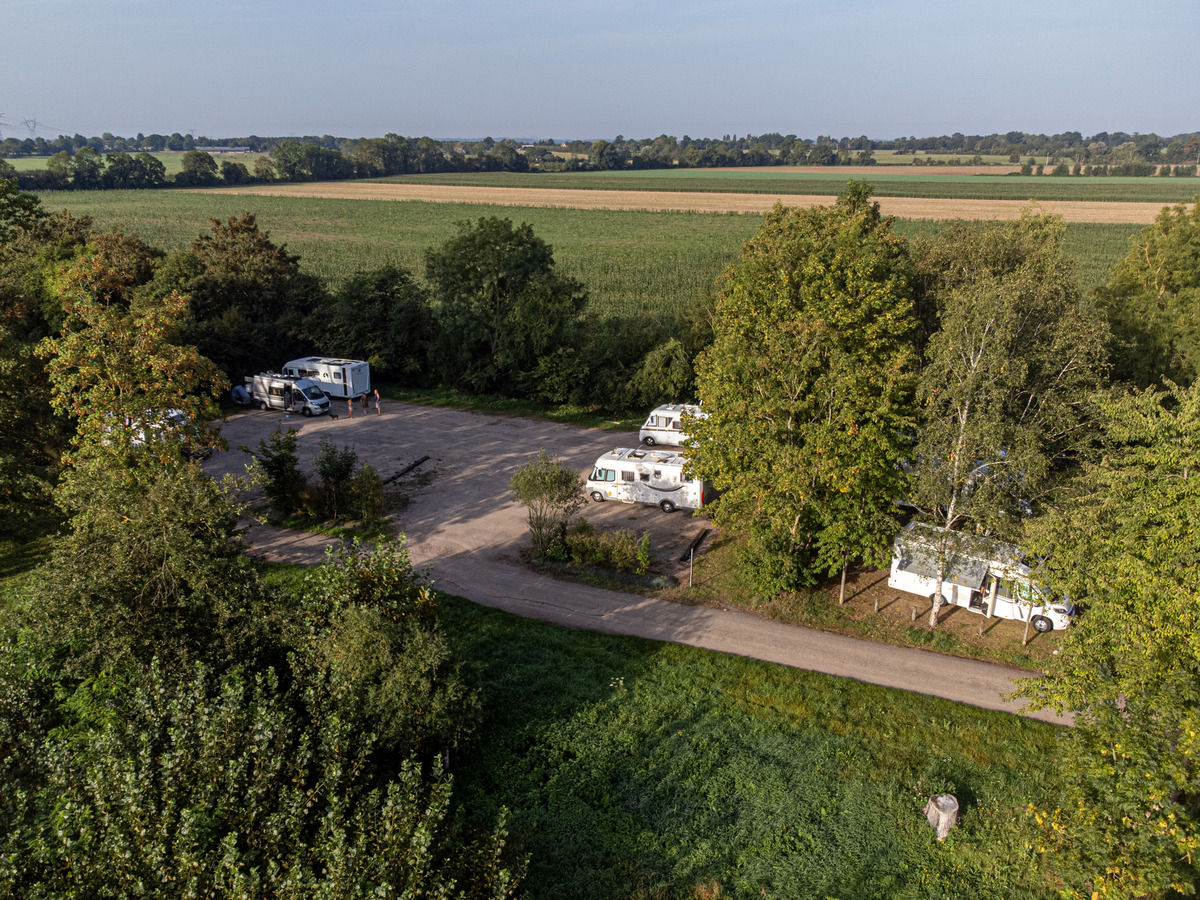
(649, 441)
(1041, 624)
(597, 496)
(262, 404)
(307, 412)
(667, 506)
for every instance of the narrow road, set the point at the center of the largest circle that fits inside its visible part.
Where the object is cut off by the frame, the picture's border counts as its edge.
(464, 530)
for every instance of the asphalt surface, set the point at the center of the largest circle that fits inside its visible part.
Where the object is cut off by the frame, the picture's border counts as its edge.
(464, 529)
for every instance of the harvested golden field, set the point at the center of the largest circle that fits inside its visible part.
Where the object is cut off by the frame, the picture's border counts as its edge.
(657, 201)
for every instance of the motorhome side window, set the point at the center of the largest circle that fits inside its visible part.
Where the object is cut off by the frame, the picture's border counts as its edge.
(275, 391)
(626, 476)
(644, 476)
(337, 376)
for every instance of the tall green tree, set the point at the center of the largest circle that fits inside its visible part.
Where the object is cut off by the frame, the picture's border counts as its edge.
(1006, 381)
(1124, 545)
(1152, 298)
(383, 316)
(250, 302)
(500, 303)
(117, 372)
(807, 389)
(197, 169)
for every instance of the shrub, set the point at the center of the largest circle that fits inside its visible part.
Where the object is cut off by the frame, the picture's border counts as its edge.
(283, 482)
(335, 468)
(551, 491)
(366, 493)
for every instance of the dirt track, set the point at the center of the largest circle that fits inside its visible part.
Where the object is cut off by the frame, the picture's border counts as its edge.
(659, 201)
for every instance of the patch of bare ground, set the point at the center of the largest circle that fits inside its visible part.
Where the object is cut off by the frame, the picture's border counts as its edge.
(875, 612)
(671, 201)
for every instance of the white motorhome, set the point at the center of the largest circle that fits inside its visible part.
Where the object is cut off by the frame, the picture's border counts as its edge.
(339, 378)
(980, 575)
(302, 395)
(655, 477)
(662, 425)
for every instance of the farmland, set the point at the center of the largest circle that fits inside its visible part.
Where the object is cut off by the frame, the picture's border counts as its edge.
(633, 262)
(940, 183)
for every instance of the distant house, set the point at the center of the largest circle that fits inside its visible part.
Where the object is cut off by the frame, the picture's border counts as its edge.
(224, 151)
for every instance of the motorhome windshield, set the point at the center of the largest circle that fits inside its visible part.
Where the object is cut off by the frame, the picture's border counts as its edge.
(599, 474)
(313, 392)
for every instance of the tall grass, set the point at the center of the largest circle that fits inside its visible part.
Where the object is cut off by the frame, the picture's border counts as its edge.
(634, 263)
(638, 769)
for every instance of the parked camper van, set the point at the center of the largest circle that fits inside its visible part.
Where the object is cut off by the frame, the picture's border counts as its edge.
(302, 395)
(662, 426)
(986, 577)
(339, 378)
(646, 476)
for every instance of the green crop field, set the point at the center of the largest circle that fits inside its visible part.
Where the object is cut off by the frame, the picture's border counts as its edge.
(633, 263)
(637, 769)
(884, 184)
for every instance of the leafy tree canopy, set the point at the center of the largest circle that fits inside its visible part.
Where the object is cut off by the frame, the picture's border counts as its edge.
(1152, 298)
(807, 388)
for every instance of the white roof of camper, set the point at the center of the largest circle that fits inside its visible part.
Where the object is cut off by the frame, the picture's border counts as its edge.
(327, 361)
(648, 457)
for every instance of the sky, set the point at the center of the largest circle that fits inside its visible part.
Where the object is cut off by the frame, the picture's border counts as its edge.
(573, 70)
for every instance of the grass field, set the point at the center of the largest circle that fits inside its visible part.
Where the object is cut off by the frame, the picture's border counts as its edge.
(633, 263)
(637, 769)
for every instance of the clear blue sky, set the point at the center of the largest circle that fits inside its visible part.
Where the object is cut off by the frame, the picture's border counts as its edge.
(566, 69)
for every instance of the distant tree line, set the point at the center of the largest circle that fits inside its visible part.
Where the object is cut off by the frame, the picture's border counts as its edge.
(79, 163)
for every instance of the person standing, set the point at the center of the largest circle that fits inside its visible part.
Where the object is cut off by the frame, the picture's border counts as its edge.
(350, 407)
(363, 398)
(378, 411)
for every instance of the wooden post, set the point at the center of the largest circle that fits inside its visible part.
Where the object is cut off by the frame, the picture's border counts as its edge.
(942, 813)
(913, 611)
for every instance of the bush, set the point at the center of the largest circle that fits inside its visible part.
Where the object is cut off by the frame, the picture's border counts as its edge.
(366, 494)
(283, 482)
(621, 550)
(335, 468)
(551, 491)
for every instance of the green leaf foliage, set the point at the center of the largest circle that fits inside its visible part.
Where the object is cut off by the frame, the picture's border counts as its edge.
(807, 388)
(239, 788)
(1125, 546)
(1152, 298)
(501, 304)
(551, 491)
(1007, 373)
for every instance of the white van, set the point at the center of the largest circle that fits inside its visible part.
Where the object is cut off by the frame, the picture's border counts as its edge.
(653, 477)
(341, 378)
(662, 425)
(302, 395)
(981, 576)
